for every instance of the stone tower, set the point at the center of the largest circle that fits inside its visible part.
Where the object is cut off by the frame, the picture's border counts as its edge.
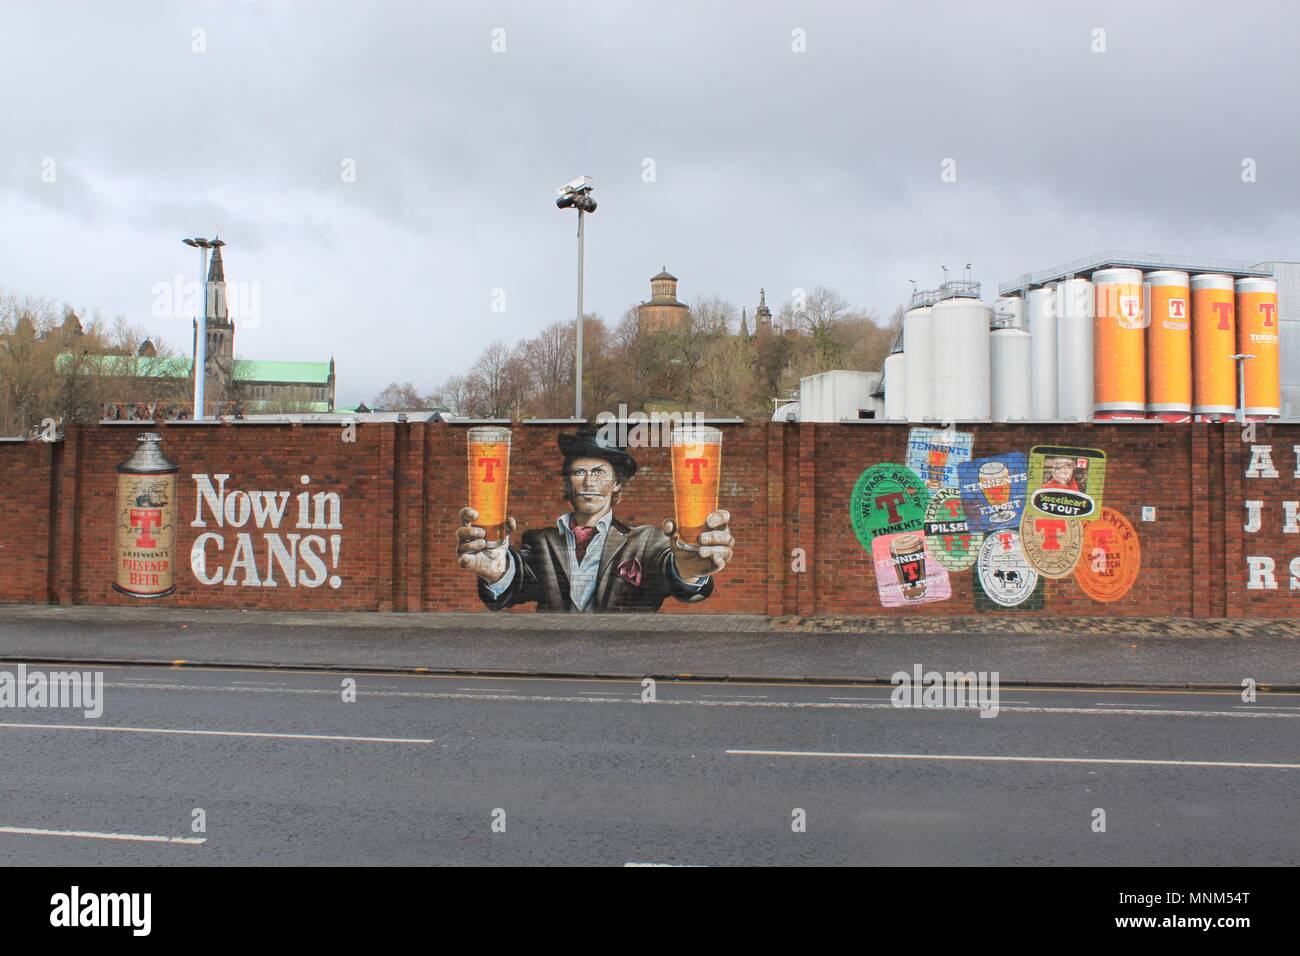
(663, 311)
(218, 385)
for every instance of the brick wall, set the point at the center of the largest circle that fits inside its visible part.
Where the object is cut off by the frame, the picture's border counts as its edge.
(788, 488)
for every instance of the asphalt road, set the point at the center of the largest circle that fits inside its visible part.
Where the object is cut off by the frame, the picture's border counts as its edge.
(287, 772)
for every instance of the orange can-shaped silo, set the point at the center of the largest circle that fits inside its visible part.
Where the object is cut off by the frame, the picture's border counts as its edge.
(1214, 342)
(1119, 344)
(1168, 303)
(1257, 336)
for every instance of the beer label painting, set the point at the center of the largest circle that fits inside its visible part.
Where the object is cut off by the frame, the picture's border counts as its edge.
(146, 535)
(1004, 578)
(1052, 545)
(1066, 482)
(947, 533)
(906, 572)
(934, 454)
(146, 522)
(993, 491)
(887, 499)
(1111, 559)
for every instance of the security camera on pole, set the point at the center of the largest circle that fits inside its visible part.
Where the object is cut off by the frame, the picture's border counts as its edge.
(577, 195)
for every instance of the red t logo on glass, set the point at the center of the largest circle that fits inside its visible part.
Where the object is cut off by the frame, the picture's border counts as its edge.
(488, 464)
(696, 464)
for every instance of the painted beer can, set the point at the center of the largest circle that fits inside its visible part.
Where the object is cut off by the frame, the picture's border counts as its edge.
(1119, 345)
(146, 522)
(1169, 342)
(1214, 342)
(1257, 335)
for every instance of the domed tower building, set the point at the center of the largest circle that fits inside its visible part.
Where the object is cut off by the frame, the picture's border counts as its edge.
(663, 311)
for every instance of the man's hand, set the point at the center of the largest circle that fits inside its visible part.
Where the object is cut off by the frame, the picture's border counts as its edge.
(715, 548)
(471, 545)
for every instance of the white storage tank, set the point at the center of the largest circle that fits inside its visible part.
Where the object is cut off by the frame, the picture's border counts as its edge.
(832, 396)
(1009, 312)
(918, 356)
(960, 327)
(1041, 306)
(1075, 307)
(895, 371)
(1009, 367)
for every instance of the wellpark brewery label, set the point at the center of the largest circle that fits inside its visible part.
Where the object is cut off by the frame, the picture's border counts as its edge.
(1052, 545)
(1111, 559)
(887, 499)
(1066, 482)
(935, 454)
(1005, 578)
(948, 536)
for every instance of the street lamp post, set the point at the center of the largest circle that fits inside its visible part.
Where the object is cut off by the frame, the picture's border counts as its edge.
(577, 195)
(1241, 386)
(201, 322)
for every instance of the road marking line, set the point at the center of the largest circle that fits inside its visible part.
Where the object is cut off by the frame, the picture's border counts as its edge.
(631, 698)
(1008, 759)
(218, 733)
(91, 835)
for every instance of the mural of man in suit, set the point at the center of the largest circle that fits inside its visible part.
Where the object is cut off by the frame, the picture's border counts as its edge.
(591, 561)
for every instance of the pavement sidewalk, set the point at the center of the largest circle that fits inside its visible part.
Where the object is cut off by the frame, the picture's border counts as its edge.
(1074, 652)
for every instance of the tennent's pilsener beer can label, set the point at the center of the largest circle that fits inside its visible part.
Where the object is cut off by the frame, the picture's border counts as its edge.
(146, 522)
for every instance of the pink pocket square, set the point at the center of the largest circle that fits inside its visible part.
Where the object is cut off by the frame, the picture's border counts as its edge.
(630, 571)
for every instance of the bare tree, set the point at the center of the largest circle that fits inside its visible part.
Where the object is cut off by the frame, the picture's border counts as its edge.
(399, 398)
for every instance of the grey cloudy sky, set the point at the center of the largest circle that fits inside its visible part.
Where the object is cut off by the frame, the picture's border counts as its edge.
(773, 168)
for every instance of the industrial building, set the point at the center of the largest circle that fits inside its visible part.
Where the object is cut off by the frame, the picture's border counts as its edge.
(1116, 336)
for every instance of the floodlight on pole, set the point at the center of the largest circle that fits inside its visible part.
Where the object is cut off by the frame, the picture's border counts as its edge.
(201, 321)
(577, 195)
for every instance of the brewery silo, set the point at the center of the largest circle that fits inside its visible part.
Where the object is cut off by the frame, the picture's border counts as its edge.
(895, 387)
(1041, 306)
(1074, 316)
(1010, 375)
(960, 326)
(1257, 335)
(1214, 342)
(1167, 305)
(1009, 312)
(1119, 345)
(918, 369)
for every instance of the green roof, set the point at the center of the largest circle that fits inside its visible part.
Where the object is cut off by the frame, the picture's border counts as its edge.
(314, 373)
(255, 408)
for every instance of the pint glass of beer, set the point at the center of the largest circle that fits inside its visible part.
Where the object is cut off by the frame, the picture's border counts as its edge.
(938, 460)
(489, 480)
(697, 459)
(995, 483)
(907, 551)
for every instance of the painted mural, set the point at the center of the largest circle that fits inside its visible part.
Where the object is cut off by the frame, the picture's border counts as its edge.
(242, 537)
(1015, 521)
(1066, 482)
(993, 491)
(907, 572)
(589, 561)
